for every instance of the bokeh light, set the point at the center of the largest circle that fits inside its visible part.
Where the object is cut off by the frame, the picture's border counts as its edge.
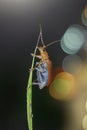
(84, 123)
(56, 70)
(63, 86)
(84, 19)
(73, 39)
(85, 47)
(72, 64)
(85, 11)
(81, 77)
(86, 106)
(84, 16)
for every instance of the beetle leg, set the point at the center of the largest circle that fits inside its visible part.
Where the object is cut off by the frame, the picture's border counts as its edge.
(39, 69)
(35, 83)
(32, 69)
(39, 84)
(36, 67)
(38, 56)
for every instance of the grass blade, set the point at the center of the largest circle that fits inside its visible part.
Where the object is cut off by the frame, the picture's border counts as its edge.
(29, 96)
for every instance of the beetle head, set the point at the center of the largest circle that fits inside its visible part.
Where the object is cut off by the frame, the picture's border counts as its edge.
(42, 49)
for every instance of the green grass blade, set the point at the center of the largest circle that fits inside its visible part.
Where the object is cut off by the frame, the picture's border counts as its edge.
(29, 97)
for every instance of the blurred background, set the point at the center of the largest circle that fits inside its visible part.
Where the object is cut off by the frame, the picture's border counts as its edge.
(19, 29)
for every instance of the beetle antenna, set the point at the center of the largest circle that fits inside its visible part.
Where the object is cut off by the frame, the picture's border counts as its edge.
(41, 35)
(51, 43)
(38, 40)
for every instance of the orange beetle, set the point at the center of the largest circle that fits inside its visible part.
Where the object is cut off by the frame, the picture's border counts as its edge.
(44, 66)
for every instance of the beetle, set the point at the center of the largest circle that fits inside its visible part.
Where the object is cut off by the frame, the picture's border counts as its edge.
(44, 66)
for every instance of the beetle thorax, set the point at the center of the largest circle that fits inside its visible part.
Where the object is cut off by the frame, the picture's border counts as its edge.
(43, 53)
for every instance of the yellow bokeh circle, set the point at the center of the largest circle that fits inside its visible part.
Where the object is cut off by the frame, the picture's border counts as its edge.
(63, 86)
(84, 123)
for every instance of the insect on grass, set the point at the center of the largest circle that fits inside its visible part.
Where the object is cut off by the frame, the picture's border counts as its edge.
(44, 75)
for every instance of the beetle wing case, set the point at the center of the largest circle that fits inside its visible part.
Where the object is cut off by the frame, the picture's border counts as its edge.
(49, 67)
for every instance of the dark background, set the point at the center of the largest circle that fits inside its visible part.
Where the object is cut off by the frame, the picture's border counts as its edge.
(19, 29)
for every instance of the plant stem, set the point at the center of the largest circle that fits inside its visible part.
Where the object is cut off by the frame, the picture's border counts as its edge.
(29, 92)
(29, 97)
